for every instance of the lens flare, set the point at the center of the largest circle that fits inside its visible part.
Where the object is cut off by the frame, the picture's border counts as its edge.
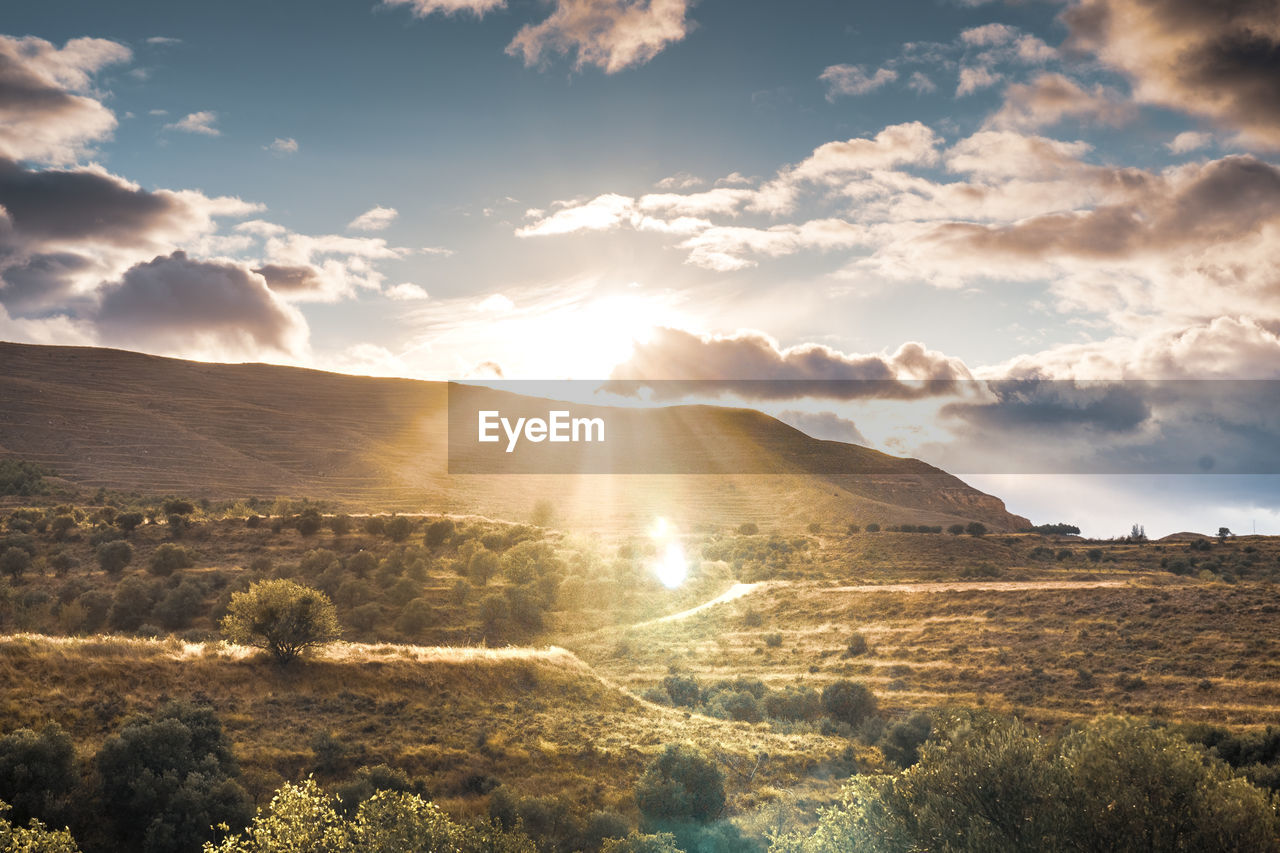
(671, 567)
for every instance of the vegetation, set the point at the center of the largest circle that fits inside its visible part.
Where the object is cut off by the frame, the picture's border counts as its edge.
(282, 617)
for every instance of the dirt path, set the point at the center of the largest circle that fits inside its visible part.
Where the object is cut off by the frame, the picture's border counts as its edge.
(976, 586)
(734, 592)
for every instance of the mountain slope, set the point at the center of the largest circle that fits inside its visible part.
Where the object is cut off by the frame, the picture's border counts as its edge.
(155, 425)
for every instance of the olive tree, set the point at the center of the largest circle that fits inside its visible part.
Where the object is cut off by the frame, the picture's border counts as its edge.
(282, 617)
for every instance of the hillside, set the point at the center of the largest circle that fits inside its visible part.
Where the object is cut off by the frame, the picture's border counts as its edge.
(164, 426)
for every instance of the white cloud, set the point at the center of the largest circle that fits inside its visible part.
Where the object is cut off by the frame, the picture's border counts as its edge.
(406, 292)
(1189, 140)
(854, 80)
(374, 219)
(283, 145)
(609, 34)
(423, 8)
(201, 122)
(972, 79)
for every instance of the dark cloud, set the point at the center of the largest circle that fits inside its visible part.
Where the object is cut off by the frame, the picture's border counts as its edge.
(1200, 205)
(676, 363)
(1218, 59)
(175, 302)
(39, 281)
(825, 425)
(42, 115)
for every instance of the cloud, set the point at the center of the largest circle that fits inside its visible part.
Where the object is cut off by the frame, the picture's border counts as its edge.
(374, 219)
(1217, 60)
(854, 80)
(407, 292)
(201, 122)
(174, 303)
(727, 248)
(609, 34)
(602, 213)
(423, 8)
(975, 78)
(1189, 140)
(751, 365)
(1050, 98)
(989, 35)
(47, 113)
(680, 181)
(912, 143)
(824, 425)
(163, 40)
(920, 83)
(282, 146)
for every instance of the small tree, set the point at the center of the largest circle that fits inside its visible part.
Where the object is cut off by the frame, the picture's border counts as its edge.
(1223, 533)
(956, 529)
(438, 532)
(976, 528)
(128, 521)
(681, 784)
(848, 701)
(399, 527)
(282, 617)
(14, 561)
(168, 558)
(114, 556)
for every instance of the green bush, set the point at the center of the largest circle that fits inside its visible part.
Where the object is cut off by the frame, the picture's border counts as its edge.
(282, 617)
(167, 780)
(848, 702)
(988, 784)
(35, 838)
(14, 562)
(38, 774)
(439, 532)
(399, 527)
(114, 556)
(168, 558)
(681, 784)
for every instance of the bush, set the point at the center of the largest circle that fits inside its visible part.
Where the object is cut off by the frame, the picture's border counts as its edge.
(375, 525)
(19, 477)
(417, 616)
(38, 774)
(662, 842)
(956, 529)
(114, 556)
(168, 558)
(852, 529)
(985, 783)
(180, 605)
(129, 521)
(131, 605)
(35, 838)
(340, 524)
(873, 528)
(167, 780)
(303, 818)
(178, 507)
(902, 741)
(282, 617)
(976, 528)
(482, 566)
(857, 646)
(680, 784)
(309, 522)
(14, 562)
(749, 528)
(61, 525)
(398, 528)
(438, 532)
(793, 704)
(683, 690)
(848, 702)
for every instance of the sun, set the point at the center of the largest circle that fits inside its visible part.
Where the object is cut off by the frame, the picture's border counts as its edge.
(670, 567)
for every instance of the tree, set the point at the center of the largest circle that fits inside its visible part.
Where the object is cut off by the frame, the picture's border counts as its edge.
(167, 780)
(985, 783)
(438, 532)
(114, 556)
(681, 784)
(303, 818)
(340, 524)
(848, 701)
(662, 842)
(399, 527)
(37, 774)
(956, 529)
(35, 838)
(129, 521)
(543, 514)
(168, 558)
(976, 528)
(61, 525)
(309, 522)
(1223, 533)
(178, 507)
(14, 561)
(1138, 534)
(282, 617)
(873, 527)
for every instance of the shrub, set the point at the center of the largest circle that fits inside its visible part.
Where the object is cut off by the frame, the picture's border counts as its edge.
(340, 524)
(683, 690)
(987, 783)
(749, 528)
(114, 556)
(23, 478)
(739, 705)
(375, 525)
(282, 617)
(976, 528)
(852, 529)
(482, 566)
(873, 528)
(956, 529)
(438, 532)
(168, 779)
(178, 507)
(398, 528)
(902, 741)
(131, 604)
(61, 525)
(303, 818)
(180, 605)
(417, 616)
(14, 562)
(680, 784)
(168, 558)
(773, 640)
(636, 842)
(177, 525)
(34, 838)
(309, 522)
(857, 646)
(794, 703)
(129, 521)
(848, 702)
(38, 774)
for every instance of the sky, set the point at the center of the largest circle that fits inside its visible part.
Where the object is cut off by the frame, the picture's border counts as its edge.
(1043, 192)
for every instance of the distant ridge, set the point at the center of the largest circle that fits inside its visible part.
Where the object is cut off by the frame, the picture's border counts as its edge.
(103, 417)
